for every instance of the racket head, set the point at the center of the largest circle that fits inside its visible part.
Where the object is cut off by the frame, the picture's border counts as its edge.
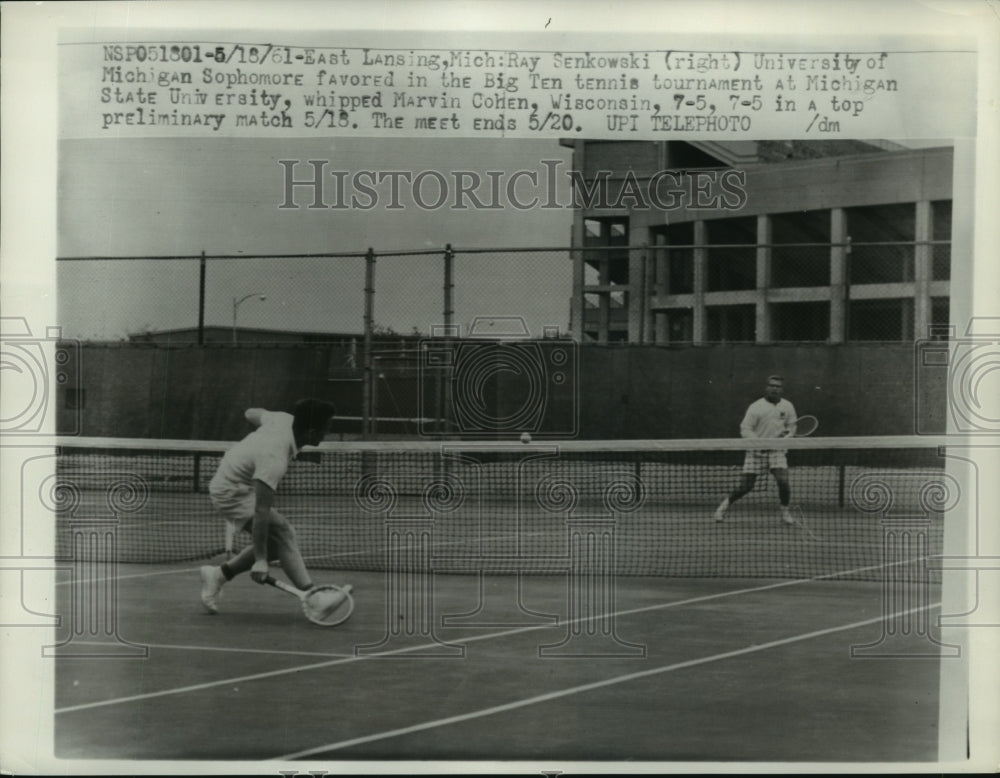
(805, 426)
(328, 605)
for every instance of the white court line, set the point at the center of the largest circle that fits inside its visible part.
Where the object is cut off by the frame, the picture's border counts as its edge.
(180, 570)
(412, 649)
(342, 555)
(215, 648)
(131, 575)
(588, 687)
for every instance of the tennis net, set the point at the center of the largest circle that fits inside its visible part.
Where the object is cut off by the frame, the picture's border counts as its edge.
(646, 507)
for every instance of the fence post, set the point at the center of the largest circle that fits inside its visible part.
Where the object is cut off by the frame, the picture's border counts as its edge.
(367, 386)
(442, 405)
(839, 276)
(700, 281)
(201, 301)
(449, 286)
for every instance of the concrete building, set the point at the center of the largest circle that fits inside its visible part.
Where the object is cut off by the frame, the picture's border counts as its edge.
(765, 242)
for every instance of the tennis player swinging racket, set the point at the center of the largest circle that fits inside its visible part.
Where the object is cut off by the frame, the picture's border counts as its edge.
(243, 490)
(771, 416)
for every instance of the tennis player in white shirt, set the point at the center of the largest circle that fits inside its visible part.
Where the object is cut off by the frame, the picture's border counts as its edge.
(243, 490)
(772, 416)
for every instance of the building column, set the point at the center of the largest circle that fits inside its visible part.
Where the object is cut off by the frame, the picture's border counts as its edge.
(661, 334)
(764, 234)
(576, 314)
(700, 281)
(649, 285)
(922, 262)
(838, 275)
(637, 303)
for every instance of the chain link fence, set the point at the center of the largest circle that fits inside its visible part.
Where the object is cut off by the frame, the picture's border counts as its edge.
(682, 293)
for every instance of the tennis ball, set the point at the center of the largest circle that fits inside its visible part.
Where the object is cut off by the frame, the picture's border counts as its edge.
(525, 437)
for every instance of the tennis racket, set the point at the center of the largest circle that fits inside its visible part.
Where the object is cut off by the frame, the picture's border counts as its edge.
(806, 425)
(801, 525)
(326, 605)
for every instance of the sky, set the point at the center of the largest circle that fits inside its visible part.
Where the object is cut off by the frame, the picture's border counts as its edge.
(157, 197)
(162, 197)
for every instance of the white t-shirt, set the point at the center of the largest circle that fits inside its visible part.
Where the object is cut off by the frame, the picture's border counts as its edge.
(263, 455)
(765, 419)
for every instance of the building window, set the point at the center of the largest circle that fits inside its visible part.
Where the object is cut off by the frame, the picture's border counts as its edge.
(674, 267)
(802, 263)
(730, 323)
(605, 268)
(890, 319)
(675, 325)
(940, 317)
(882, 238)
(807, 321)
(611, 265)
(941, 230)
(732, 254)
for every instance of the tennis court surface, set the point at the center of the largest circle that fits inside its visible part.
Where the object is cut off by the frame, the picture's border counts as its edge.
(513, 602)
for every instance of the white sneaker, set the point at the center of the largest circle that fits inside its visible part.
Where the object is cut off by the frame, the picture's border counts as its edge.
(787, 517)
(720, 512)
(212, 580)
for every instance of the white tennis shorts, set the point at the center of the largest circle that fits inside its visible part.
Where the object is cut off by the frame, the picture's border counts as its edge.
(763, 462)
(237, 506)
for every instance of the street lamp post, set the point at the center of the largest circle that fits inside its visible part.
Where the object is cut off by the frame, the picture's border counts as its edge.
(238, 303)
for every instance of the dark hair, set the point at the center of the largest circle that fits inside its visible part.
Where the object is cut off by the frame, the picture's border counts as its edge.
(777, 378)
(312, 414)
